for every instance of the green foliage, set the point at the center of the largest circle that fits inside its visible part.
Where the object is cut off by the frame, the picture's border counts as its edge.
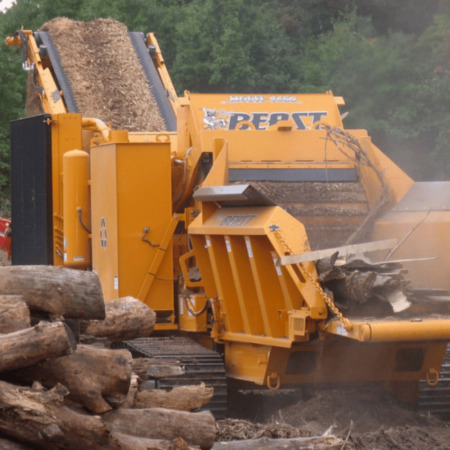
(389, 59)
(411, 16)
(12, 80)
(237, 46)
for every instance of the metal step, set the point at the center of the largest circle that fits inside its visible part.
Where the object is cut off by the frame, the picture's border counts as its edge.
(201, 365)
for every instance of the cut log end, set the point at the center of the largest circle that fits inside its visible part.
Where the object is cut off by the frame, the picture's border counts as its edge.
(125, 318)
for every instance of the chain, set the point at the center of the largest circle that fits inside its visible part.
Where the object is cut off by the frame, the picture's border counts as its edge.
(306, 274)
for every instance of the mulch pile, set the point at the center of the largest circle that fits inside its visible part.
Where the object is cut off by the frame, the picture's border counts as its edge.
(105, 74)
(365, 417)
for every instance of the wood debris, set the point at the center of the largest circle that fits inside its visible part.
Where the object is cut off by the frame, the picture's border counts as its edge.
(362, 287)
(359, 286)
(236, 434)
(105, 75)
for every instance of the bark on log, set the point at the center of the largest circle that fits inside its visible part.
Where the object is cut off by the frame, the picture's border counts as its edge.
(159, 423)
(30, 346)
(14, 314)
(139, 443)
(40, 419)
(6, 444)
(98, 379)
(182, 398)
(126, 318)
(71, 293)
(151, 368)
(312, 443)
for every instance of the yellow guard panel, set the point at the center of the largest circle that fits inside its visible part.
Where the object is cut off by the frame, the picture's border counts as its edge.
(131, 211)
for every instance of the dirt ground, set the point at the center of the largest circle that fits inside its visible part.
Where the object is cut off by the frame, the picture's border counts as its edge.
(364, 418)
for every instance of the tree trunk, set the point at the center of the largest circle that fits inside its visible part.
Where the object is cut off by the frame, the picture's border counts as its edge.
(40, 418)
(126, 318)
(151, 368)
(6, 444)
(159, 423)
(71, 293)
(98, 379)
(14, 314)
(183, 398)
(30, 346)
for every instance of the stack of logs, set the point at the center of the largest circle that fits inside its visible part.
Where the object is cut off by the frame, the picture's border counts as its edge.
(60, 389)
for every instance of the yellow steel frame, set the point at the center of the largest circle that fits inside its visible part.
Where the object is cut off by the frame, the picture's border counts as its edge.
(259, 301)
(161, 252)
(44, 77)
(333, 361)
(163, 73)
(392, 330)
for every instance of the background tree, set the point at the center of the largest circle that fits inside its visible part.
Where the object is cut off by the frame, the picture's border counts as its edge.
(389, 59)
(242, 49)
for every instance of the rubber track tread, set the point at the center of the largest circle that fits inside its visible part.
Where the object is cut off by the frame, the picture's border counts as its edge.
(58, 70)
(436, 399)
(138, 41)
(200, 365)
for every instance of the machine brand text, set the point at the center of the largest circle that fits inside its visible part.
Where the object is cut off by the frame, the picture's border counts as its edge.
(262, 99)
(229, 120)
(237, 221)
(302, 120)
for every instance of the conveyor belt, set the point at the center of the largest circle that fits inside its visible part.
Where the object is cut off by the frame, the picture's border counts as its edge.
(159, 94)
(61, 77)
(148, 66)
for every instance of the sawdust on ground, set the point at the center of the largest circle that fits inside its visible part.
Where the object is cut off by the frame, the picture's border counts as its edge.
(364, 418)
(105, 75)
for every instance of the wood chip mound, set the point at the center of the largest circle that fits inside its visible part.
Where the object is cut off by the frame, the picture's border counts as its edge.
(106, 77)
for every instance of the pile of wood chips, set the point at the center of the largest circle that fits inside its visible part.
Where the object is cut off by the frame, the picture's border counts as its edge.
(106, 77)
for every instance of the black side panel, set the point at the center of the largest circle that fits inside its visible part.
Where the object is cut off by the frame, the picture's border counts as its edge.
(138, 41)
(31, 191)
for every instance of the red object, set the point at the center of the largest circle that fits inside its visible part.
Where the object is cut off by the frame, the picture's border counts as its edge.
(5, 235)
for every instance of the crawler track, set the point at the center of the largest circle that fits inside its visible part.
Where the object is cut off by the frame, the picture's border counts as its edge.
(200, 365)
(436, 399)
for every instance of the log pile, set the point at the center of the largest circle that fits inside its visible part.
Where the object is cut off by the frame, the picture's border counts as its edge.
(62, 386)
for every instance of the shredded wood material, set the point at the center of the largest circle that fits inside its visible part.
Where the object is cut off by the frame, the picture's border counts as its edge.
(105, 74)
(236, 429)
